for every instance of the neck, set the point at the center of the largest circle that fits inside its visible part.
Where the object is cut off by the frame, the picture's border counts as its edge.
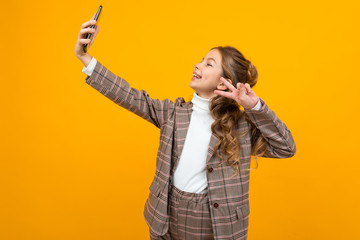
(206, 96)
(200, 102)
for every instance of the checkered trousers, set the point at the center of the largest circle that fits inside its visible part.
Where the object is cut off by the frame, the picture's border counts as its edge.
(189, 216)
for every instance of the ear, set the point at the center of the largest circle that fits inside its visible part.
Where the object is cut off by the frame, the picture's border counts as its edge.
(222, 86)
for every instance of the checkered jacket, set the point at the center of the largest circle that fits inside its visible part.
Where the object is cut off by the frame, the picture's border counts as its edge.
(229, 197)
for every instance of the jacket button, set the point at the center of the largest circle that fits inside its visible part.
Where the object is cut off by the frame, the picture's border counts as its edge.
(216, 205)
(210, 169)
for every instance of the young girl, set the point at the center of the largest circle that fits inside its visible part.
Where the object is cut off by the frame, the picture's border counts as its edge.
(201, 185)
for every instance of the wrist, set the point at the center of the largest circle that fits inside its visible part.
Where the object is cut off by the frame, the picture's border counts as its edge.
(85, 59)
(258, 99)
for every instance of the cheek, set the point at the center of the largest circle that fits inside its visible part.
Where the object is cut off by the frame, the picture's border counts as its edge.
(212, 74)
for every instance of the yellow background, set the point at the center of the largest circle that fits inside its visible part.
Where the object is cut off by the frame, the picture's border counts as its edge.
(74, 165)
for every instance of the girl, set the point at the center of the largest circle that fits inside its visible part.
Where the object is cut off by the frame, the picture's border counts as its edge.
(201, 185)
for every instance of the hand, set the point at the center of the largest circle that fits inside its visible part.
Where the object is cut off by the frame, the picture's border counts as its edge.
(242, 94)
(85, 29)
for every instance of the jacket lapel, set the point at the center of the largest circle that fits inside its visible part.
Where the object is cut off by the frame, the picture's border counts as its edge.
(213, 141)
(182, 122)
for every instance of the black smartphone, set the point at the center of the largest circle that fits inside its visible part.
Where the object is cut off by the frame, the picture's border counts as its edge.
(89, 35)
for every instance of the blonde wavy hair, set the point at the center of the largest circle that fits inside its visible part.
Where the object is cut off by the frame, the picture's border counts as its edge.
(227, 112)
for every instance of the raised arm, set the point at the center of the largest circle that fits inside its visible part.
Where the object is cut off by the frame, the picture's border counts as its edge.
(280, 142)
(120, 92)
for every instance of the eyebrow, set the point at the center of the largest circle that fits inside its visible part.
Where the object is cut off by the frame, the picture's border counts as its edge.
(209, 58)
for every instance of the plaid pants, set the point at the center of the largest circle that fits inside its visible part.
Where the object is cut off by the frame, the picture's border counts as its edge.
(189, 216)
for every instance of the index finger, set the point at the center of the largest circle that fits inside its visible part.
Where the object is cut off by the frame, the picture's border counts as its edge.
(229, 85)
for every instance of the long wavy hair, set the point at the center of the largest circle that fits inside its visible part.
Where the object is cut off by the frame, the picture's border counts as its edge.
(227, 112)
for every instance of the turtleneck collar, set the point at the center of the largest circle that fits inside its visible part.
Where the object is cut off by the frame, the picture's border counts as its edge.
(202, 103)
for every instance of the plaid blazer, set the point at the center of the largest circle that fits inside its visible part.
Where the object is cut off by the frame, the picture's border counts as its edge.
(229, 197)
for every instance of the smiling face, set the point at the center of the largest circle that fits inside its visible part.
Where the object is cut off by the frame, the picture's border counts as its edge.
(210, 71)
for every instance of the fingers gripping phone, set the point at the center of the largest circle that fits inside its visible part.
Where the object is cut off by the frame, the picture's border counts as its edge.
(89, 35)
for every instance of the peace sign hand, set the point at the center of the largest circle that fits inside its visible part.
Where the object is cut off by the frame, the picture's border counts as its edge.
(242, 94)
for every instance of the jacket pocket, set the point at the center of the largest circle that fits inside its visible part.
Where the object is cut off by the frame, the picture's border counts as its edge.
(241, 223)
(155, 210)
(155, 188)
(242, 211)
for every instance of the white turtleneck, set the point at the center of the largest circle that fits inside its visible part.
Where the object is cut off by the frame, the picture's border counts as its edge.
(190, 173)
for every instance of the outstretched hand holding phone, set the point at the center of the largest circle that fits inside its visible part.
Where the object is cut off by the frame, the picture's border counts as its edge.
(85, 39)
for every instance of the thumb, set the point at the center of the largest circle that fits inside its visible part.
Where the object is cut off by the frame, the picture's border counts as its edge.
(97, 29)
(93, 17)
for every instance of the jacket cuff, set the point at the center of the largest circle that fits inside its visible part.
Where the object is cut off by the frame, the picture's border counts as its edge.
(90, 68)
(260, 106)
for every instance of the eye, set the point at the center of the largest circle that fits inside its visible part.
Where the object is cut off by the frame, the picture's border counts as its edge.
(209, 64)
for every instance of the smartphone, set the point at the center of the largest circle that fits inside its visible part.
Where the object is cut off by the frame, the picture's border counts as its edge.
(89, 35)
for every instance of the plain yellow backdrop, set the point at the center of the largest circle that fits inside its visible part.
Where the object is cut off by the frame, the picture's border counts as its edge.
(74, 165)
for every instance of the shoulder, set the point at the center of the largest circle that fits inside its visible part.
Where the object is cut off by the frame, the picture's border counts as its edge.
(180, 101)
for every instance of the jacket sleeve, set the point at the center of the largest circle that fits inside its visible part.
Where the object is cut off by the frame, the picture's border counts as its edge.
(280, 142)
(120, 92)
